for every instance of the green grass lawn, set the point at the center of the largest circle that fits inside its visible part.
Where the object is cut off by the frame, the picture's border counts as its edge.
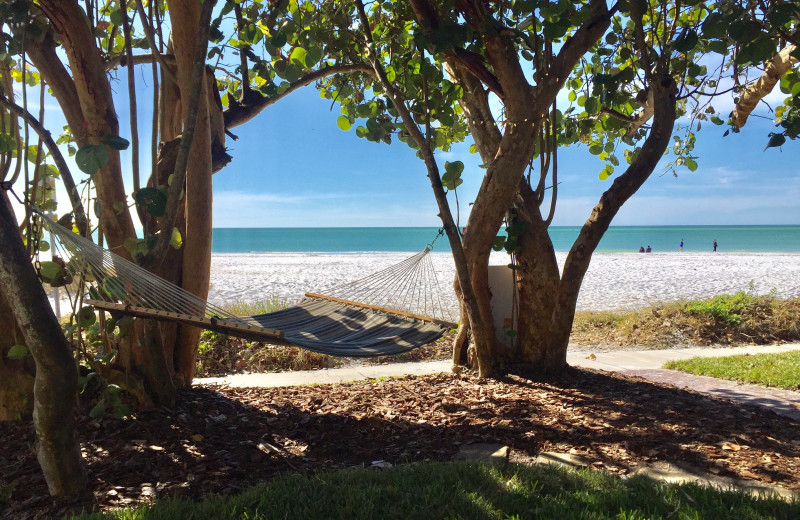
(780, 370)
(469, 491)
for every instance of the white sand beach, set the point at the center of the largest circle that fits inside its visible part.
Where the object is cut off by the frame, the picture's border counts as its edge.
(614, 280)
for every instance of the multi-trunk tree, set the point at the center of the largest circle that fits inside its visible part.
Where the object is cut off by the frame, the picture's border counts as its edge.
(212, 70)
(630, 69)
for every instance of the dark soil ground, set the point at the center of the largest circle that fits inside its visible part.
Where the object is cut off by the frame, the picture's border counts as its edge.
(219, 440)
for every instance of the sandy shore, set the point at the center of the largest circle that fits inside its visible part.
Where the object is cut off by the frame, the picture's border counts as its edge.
(614, 280)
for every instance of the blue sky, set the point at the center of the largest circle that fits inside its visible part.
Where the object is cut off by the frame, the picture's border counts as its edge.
(293, 167)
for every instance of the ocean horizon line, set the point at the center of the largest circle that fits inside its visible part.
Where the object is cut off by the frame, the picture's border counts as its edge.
(551, 227)
(729, 238)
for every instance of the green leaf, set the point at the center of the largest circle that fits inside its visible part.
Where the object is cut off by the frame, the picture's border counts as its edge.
(116, 17)
(758, 51)
(591, 106)
(85, 317)
(298, 56)
(775, 140)
(91, 158)
(279, 39)
(114, 287)
(154, 200)
(7, 143)
(499, 243)
(115, 142)
(99, 409)
(176, 241)
(344, 123)
(714, 26)
(49, 270)
(686, 41)
(691, 164)
(54, 274)
(452, 176)
(17, 352)
(122, 410)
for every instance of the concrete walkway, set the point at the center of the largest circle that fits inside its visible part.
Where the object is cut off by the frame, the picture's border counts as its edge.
(646, 364)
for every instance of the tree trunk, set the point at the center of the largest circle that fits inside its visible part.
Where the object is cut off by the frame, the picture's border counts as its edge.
(185, 15)
(56, 383)
(99, 117)
(160, 354)
(16, 376)
(544, 346)
(537, 281)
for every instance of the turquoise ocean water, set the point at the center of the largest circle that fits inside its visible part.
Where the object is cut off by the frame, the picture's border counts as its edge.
(403, 239)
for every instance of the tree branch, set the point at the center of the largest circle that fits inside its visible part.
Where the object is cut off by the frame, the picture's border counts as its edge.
(121, 60)
(179, 175)
(575, 47)
(238, 114)
(151, 41)
(66, 176)
(778, 66)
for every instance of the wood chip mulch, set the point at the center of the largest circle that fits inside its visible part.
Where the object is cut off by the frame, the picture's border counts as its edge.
(220, 440)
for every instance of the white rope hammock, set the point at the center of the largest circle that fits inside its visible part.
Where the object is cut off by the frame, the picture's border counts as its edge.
(392, 311)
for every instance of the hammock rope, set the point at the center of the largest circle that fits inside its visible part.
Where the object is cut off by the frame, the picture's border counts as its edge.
(392, 311)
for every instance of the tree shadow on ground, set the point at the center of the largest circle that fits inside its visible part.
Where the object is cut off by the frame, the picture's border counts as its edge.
(219, 440)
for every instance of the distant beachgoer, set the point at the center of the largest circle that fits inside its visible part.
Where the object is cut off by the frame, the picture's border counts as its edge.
(715, 245)
(648, 249)
(681, 245)
(641, 249)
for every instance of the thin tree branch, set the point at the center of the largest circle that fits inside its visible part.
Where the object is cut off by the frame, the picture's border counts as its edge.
(151, 41)
(238, 114)
(66, 176)
(777, 67)
(189, 124)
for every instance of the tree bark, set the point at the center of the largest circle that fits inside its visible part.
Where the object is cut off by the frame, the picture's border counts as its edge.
(186, 15)
(546, 322)
(56, 383)
(506, 154)
(16, 376)
(778, 66)
(97, 106)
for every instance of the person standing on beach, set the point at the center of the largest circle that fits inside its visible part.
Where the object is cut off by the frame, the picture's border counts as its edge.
(681, 246)
(715, 245)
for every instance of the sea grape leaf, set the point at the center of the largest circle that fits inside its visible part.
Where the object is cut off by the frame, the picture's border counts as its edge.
(54, 274)
(17, 352)
(499, 243)
(176, 241)
(452, 176)
(775, 140)
(154, 200)
(91, 157)
(85, 317)
(114, 287)
(344, 123)
(115, 142)
(686, 41)
(99, 409)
